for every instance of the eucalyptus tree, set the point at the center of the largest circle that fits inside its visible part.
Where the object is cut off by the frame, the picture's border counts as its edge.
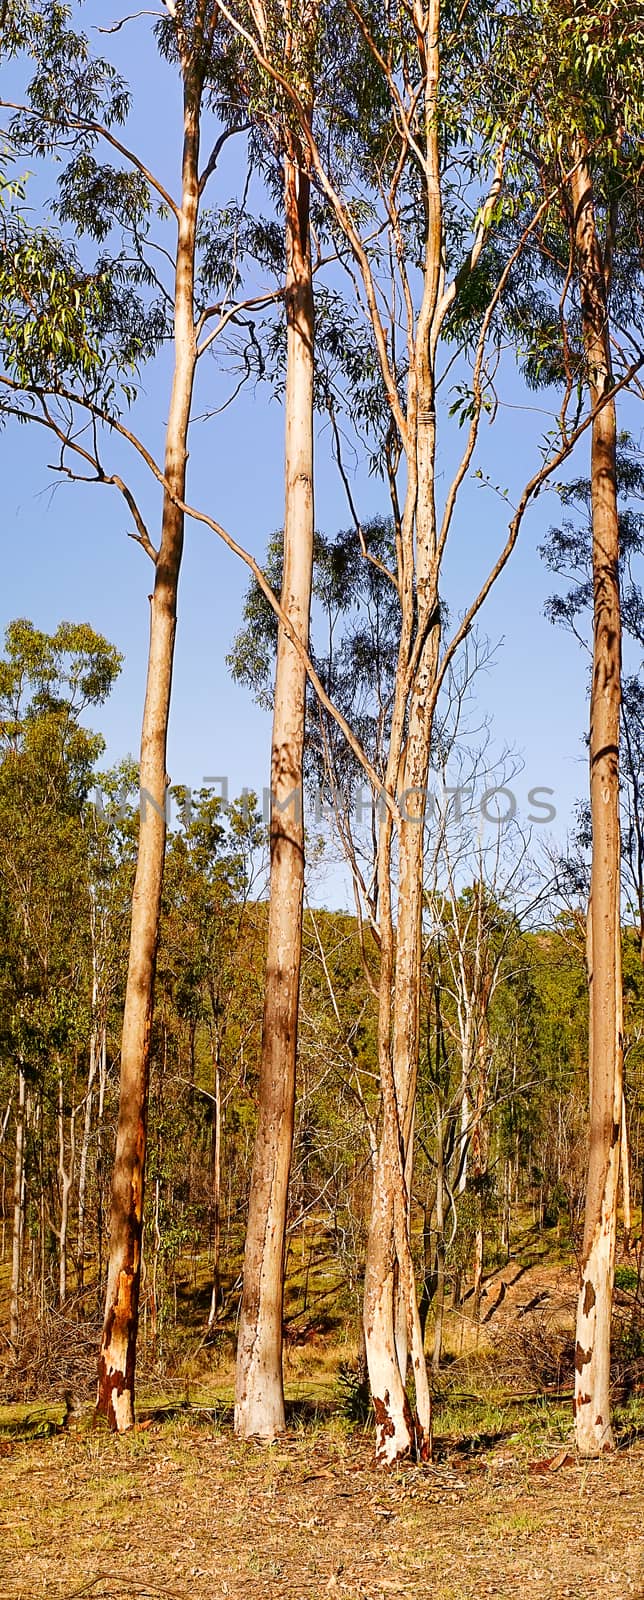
(415, 169)
(288, 34)
(477, 888)
(586, 115)
(567, 553)
(592, 1354)
(74, 339)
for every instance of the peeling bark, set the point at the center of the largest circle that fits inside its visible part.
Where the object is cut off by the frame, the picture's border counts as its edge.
(259, 1393)
(399, 1433)
(117, 1358)
(592, 1365)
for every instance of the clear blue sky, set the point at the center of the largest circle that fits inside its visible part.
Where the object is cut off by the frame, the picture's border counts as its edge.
(67, 555)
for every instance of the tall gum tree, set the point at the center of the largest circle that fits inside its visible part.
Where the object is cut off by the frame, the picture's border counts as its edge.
(259, 1391)
(612, 40)
(600, 566)
(391, 1315)
(115, 1395)
(117, 1356)
(57, 353)
(588, 113)
(387, 125)
(568, 553)
(593, 1430)
(71, 323)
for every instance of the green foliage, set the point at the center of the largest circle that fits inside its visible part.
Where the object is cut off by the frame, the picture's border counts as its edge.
(355, 634)
(567, 551)
(47, 760)
(230, 236)
(49, 312)
(571, 83)
(626, 1277)
(69, 84)
(355, 1398)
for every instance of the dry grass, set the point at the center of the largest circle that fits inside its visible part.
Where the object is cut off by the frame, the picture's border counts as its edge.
(179, 1509)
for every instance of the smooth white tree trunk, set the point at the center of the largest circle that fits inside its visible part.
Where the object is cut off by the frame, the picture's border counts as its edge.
(259, 1389)
(66, 1179)
(84, 1156)
(18, 1209)
(593, 1428)
(115, 1398)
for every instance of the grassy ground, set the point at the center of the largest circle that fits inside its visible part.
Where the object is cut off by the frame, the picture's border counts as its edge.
(179, 1509)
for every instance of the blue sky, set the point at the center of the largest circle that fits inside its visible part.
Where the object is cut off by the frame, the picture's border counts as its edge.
(67, 555)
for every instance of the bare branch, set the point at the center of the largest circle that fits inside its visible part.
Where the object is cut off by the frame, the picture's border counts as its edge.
(216, 152)
(249, 561)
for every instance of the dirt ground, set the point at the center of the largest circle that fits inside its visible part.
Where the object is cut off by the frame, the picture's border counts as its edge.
(180, 1510)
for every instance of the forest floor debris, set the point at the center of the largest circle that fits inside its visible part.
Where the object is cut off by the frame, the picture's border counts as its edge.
(179, 1509)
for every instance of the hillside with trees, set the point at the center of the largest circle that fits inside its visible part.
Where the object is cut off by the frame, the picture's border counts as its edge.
(322, 1099)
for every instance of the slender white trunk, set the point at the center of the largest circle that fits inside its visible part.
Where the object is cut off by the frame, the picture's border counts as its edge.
(259, 1391)
(401, 1320)
(626, 1182)
(3, 1190)
(389, 1270)
(66, 1179)
(465, 1134)
(117, 1355)
(154, 1312)
(395, 1433)
(100, 1114)
(507, 1204)
(216, 1193)
(18, 1209)
(593, 1335)
(84, 1156)
(398, 1433)
(479, 1162)
(439, 1301)
(96, 1036)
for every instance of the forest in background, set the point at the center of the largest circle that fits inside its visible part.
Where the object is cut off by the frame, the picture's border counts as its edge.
(501, 1129)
